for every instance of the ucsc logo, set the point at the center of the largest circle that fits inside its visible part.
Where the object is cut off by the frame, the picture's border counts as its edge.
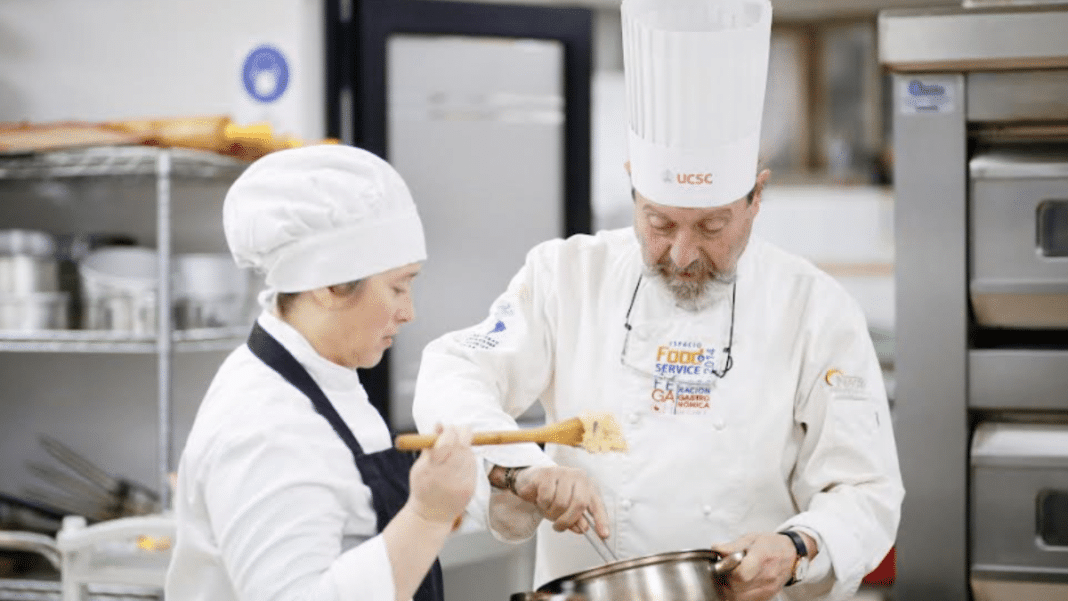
(687, 179)
(694, 179)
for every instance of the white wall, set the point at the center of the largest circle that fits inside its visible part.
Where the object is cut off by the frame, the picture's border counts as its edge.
(847, 231)
(110, 59)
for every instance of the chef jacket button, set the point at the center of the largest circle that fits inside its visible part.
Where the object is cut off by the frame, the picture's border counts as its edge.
(625, 504)
(719, 424)
(633, 418)
(707, 509)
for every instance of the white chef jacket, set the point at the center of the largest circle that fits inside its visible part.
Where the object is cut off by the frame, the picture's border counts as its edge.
(797, 433)
(270, 504)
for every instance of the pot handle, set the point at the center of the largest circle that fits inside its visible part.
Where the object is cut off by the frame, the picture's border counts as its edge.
(727, 563)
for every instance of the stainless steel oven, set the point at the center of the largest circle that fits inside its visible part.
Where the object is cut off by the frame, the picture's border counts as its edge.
(1019, 511)
(980, 120)
(1018, 218)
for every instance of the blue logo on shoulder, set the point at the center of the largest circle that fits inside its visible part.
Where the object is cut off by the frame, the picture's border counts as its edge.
(265, 74)
(918, 88)
(498, 328)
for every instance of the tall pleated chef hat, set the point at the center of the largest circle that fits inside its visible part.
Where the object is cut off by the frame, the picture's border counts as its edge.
(321, 215)
(695, 73)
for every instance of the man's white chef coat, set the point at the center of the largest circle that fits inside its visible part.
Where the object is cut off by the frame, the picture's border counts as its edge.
(796, 434)
(269, 504)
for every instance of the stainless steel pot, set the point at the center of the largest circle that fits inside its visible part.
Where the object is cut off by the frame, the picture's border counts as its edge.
(23, 274)
(125, 312)
(37, 311)
(675, 576)
(118, 286)
(211, 291)
(27, 263)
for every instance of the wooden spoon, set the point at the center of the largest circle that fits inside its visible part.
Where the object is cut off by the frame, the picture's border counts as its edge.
(597, 433)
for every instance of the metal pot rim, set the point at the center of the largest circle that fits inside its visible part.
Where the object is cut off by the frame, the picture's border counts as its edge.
(534, 596)
(34, 298)
(34, 243)
(627, 564)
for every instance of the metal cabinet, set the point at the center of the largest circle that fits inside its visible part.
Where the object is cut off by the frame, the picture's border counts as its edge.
(1019, 517)
(165, 171)
(1018, 224)
(981, 159)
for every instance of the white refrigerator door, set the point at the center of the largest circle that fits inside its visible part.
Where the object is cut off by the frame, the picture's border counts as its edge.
(476, 128)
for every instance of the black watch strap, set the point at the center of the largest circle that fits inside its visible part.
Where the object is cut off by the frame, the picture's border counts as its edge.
(802, 551)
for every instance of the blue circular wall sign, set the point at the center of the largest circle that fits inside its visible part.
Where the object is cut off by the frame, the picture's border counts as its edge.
(265, 73)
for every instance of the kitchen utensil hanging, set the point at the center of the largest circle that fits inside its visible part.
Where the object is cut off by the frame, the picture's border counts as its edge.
(19, 513)
(100, 496)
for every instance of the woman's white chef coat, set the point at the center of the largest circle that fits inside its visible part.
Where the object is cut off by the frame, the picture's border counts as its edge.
(796, 434)
(269, 504)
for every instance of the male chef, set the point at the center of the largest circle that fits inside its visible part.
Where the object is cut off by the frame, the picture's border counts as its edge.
(744, 378)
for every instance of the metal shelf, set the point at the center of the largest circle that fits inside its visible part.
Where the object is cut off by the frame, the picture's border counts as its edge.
(165, 166)
(117, 161)
(105, 341)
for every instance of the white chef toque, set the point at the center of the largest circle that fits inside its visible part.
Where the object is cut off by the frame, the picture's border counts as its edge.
(321, 215)
(695, 73)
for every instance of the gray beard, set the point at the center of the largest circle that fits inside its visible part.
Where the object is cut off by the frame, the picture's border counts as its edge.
(694, 296)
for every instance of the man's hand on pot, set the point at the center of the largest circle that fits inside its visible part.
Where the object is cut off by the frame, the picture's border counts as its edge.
(768, 564)
(563, 494)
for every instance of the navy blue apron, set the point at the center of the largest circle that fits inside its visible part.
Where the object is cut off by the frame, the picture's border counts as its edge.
(384, 472)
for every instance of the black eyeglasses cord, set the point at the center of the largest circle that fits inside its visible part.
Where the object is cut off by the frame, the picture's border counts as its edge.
(730, 337)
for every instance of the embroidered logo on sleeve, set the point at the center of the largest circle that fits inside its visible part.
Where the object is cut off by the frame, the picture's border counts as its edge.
(481, 339)
(522, 293)
(845, 386)
(502, 309)
(489, 333)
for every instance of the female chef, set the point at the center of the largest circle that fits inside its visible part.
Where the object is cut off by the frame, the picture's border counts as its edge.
(288, 487)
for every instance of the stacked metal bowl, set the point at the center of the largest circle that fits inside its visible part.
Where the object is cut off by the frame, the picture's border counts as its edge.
(30, 295)
(119, 287)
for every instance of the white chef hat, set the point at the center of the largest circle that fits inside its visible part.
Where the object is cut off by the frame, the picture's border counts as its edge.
(695, 74)
(321, 215)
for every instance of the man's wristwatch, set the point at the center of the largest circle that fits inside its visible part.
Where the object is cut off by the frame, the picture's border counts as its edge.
(801, 563)
(508, 480)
